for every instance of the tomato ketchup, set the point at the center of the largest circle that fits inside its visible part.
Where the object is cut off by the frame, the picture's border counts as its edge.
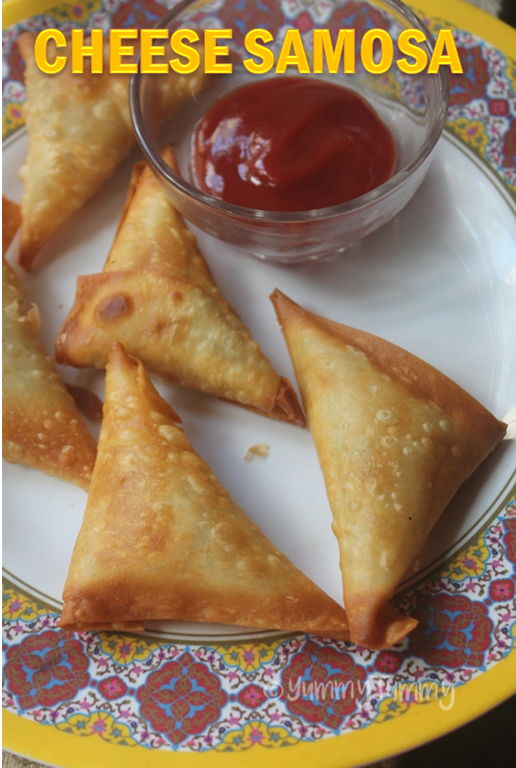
(291, 144)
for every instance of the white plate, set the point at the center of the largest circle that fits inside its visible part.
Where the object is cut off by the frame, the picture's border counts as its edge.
(439, 281)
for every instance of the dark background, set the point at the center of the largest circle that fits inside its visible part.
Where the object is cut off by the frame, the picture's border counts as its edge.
(508, 12)
(489, 742)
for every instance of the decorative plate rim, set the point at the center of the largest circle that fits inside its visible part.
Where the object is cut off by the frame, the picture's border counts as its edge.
(419, 724)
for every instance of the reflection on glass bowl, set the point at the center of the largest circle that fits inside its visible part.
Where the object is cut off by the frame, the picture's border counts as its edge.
(413, 106)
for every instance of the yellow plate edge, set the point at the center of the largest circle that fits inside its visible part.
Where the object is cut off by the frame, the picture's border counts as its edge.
(14, 11)
(470, 18)
(420, 724)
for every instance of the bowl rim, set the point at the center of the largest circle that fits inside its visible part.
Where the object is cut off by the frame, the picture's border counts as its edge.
(288, 217)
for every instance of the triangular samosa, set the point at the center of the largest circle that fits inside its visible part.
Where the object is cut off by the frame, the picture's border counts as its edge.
(162, 539)
(395, 439)
(79, 128)
(156, 296)
(40, 422)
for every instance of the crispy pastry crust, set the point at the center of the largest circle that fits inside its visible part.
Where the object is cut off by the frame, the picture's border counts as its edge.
(79, 130)
(40, 423)
(156, 295)
(395, 439)
(11, 220)
(162, 539)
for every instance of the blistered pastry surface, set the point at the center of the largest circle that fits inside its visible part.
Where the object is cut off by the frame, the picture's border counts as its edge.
(395, 440)
(162, 538)
(41, 425)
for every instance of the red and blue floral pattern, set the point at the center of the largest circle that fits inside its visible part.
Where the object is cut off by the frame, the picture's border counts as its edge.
(137, 15)
(322, 685)
(181, 698)
(482, 110)
(453, 631)
(45, 669)
(248, 14)
(132, 690)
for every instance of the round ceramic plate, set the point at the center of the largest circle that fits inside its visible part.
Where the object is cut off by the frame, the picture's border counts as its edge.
(440, 281)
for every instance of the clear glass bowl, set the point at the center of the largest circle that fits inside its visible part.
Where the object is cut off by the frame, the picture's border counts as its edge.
(413, 106)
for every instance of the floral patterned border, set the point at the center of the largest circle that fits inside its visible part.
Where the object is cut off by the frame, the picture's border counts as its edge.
(131, 690)
(482, 111)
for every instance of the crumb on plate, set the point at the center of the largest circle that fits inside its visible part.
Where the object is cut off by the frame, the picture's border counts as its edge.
(260, 449)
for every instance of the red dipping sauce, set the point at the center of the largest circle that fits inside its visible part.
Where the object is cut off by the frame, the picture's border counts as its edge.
(291, 144)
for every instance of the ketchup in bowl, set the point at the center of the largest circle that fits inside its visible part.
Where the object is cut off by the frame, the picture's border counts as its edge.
(291, 144)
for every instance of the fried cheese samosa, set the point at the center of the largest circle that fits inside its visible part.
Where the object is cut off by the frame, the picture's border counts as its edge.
(156, 296)
(395, 440)
(11, 220)
(79, 128)
(162, 539)
(40, 423)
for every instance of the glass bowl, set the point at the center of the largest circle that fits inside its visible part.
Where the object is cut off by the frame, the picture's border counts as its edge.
(413, 106)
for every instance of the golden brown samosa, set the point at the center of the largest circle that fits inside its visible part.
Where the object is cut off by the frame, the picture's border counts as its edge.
(156, 295)
(40, 423)
(162, 539)
(79, 128)
(395, 439)
(11, 219)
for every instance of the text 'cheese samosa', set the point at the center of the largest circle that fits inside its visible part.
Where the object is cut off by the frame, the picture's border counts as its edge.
(79, 129)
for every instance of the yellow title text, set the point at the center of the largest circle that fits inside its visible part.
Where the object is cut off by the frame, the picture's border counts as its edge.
(377, 52)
